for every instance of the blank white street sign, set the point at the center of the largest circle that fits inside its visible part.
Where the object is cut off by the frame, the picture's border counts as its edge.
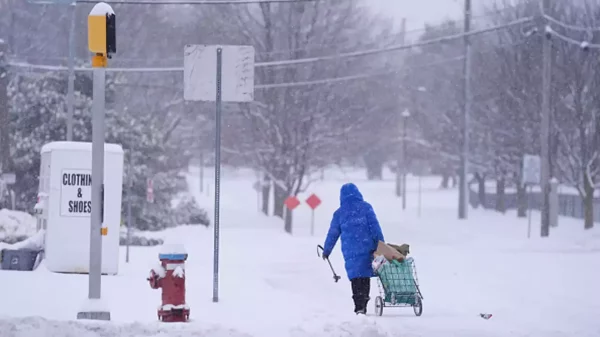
(200, 73)
(532, 168)
(9, 178)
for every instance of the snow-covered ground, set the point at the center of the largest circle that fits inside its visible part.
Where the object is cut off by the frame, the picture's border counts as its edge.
(273, 284)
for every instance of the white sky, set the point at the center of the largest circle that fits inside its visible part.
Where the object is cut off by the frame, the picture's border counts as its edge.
(419, 12)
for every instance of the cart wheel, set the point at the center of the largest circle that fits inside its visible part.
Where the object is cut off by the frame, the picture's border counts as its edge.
(378, 306)
(418, 306)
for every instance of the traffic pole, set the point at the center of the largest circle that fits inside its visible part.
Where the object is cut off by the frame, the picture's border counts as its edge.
(545, 121)
(101, 42)
(463, 196)
(71, 78)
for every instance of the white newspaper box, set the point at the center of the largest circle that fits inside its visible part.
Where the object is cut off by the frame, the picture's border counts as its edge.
(65, 181)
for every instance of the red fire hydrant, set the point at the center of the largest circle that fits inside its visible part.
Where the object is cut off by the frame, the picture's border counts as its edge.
(170, 276)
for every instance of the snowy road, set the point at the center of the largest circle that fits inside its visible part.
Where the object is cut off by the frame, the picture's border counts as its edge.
(273, 284)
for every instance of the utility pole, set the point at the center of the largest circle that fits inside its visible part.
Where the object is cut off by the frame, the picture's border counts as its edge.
(405, 116)
(71, 78)
(4, 119)
(400, 160)
(463, 194)
(545, 127)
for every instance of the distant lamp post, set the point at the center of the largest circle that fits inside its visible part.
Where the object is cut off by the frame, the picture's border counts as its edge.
(405, 115)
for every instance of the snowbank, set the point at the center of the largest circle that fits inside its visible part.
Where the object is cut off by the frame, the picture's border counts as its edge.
(352, 327)
(36, 326)
(35, 242)
(16, 226)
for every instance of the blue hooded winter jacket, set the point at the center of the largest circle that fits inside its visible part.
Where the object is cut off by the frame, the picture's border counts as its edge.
(356, 223)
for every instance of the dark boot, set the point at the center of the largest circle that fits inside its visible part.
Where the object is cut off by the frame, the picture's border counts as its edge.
(360, 294)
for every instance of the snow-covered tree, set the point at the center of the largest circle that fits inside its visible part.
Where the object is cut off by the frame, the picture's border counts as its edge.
(438, 69)
(38, 116)
(290, 132)
(577, 117)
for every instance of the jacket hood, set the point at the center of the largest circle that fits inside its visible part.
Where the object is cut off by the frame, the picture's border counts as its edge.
(350, 192)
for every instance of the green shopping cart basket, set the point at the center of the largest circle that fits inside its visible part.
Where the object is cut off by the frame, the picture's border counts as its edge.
(398, 286)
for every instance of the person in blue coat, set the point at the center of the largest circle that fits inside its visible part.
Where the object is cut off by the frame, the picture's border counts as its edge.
(356, 223)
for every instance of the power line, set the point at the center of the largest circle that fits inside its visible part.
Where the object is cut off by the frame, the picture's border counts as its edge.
(192, 2)
(302, 60)
(358, 76)
(396, 47)
(571, 27)
(355, 77)
(81, 69)
(331, 80)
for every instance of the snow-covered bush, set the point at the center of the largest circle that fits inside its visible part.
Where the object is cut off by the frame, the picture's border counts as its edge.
(138, 238)
(140, 241)
(187, 212)
(16, 226)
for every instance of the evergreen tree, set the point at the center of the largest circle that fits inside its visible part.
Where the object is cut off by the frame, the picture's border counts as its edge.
(38, 116)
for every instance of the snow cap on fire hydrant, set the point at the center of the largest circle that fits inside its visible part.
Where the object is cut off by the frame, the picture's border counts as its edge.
(173, 251)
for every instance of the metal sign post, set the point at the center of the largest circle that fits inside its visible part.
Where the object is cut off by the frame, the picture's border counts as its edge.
(129, 188)
(529, 193)
(232, 80)
(313, 202)
(420, 194)
(201, 171)
(257, 187)
(531, 176)
(217, 175)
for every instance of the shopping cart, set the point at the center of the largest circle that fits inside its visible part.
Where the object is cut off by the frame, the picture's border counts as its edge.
(399, 286)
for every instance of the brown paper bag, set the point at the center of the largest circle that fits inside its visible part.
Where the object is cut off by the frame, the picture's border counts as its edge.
(388, 252)
(404, 248)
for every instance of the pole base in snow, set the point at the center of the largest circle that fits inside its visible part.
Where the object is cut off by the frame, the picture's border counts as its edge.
(94, 309)
(94, 315)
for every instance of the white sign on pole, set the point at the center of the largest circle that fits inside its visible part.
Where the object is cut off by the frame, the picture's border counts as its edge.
(200, 73)
(532, 168)
(9, 178)
(76, 193)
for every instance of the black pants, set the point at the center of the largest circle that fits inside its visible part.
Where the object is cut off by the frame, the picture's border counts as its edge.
(361, 287)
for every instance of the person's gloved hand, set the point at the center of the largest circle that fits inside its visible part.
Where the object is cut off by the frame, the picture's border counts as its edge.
(325, 256)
